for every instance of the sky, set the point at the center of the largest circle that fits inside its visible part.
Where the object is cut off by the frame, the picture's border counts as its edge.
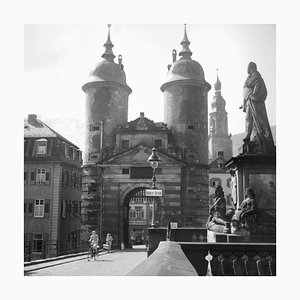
(59, 57)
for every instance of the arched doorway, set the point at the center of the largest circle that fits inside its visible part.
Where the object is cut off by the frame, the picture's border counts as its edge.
(137, 217)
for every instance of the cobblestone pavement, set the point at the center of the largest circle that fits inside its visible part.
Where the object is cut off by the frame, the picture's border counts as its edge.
(116, 263)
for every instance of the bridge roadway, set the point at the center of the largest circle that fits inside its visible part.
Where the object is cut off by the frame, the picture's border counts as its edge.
(116, 263)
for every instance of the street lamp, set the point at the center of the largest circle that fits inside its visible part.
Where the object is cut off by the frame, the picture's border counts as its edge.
(153, 160)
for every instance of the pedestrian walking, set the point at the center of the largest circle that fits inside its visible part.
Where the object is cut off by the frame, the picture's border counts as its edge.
(109, 240)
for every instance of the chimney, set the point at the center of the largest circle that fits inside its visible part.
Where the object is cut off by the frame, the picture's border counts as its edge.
(32, 118)
(142, 115)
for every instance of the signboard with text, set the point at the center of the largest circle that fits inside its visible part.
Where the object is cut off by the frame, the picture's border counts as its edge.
(153, 193)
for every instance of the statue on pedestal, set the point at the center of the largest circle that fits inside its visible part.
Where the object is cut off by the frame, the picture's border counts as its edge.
(257, 125)
(219, 218)
(243, 219)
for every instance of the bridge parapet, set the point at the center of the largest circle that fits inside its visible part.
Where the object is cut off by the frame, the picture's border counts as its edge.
(227, 259)
(209, 259)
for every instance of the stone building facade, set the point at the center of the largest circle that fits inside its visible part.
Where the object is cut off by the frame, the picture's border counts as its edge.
(52, 189)
(115, 168)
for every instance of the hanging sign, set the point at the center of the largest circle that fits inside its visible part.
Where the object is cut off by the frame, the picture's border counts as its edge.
(153, 193)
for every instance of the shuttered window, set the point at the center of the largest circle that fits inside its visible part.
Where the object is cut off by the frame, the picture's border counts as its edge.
(39, 208)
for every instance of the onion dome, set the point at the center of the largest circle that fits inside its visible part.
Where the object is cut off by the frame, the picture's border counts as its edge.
(185, 69)
(107, 70)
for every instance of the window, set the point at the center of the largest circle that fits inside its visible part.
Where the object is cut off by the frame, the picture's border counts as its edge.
(158, 144)
(38, 242)
(39, 209)
(125, 144)
(41, 147)
(192, 126)
(125, 171)
(132, 214)
(94, 127)
(138, 213)
(67, 150)
(158, 171)
(96, 141)
(41, 176)
(94, 156)
(213, 182)
(228, 182)
(71, 152)
(64, 209)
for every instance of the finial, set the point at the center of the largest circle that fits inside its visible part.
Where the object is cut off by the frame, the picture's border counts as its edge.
(108, 54)
(185, 52)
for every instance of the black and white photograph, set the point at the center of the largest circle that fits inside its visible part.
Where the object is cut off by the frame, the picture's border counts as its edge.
(187, 161)
(153, 150)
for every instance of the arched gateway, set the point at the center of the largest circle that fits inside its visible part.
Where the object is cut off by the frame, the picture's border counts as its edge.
(136, 216)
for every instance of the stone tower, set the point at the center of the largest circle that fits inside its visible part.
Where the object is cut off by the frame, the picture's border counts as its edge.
(106, 107)
(186, 115)
(219, 140)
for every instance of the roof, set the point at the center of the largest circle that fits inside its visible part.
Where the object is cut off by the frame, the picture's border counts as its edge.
(40, 130)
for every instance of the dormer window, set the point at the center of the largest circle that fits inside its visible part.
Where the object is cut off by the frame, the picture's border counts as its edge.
(41, 146)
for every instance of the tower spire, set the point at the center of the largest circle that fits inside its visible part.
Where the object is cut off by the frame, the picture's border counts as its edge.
(218, 84)
(185, 52)
(108, 54)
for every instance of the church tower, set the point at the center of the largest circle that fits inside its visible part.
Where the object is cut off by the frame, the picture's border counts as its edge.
(106, 107)
(220, 142)
(186, 115)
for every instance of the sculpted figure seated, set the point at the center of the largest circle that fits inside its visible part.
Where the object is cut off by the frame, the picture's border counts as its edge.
(245, 215)
(219, 218)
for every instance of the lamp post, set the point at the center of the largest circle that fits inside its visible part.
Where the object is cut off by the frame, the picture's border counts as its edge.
(153, 160)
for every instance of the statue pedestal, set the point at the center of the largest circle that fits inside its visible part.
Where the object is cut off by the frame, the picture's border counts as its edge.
(258, 171)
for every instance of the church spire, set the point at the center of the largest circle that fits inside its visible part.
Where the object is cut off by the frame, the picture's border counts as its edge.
(185, 52)
(108, 54)
(218, 84)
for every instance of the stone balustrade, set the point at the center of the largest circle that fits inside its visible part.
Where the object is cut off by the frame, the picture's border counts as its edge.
(209, 259)
(227, 259)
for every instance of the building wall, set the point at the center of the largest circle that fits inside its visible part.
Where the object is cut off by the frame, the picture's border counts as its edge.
(34, 191)
(145, 138)
(223, 179)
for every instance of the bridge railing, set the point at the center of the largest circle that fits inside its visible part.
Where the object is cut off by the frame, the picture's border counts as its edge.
(209, 259)
(228, 259)
(49, 249)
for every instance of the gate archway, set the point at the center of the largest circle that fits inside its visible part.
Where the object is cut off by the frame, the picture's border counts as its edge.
(137, 216)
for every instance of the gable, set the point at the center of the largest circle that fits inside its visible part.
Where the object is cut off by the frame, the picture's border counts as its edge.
(139, 155)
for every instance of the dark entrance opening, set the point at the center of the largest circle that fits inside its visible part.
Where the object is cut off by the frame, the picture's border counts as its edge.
(137, 215)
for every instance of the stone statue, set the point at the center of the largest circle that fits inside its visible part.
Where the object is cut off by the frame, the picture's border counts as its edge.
(219, 218)
(257, 124)
(244, 217)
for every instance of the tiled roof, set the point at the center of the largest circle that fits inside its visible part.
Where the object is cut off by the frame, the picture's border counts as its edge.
(41, 130)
